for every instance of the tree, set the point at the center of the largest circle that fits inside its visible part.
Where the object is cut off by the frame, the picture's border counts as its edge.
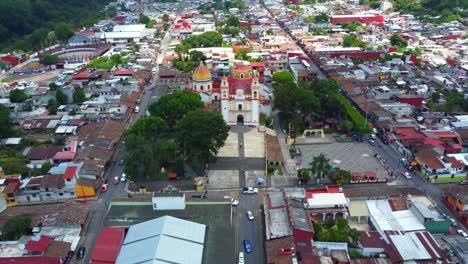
(270, 32)
(320, 165)
(323, 17)
(241, 54)
(144, 19)
(18, 96)
(61, 97)
(165, 17)
(49, 59)
(197, 56)
(346, 126)
(52, 106)
(15, 227)
(283, 77)
(63, 32)
(397, 41)
(78, 95)
(201, 134)
(6, 123)
(358, 60)
(352, 40)
(232, 21)
(175, 106)
(294, 101)
(435, 96)
(53, 86)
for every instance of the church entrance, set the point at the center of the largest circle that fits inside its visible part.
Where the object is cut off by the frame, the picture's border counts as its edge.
(240, 119)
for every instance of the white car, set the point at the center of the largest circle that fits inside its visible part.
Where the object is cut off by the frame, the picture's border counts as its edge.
(250, 190)
(234, 202)
(250, 215)
(123, 178)
(406, 174)
(241, 258)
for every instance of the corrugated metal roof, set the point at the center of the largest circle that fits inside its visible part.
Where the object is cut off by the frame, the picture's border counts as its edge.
(162, 239)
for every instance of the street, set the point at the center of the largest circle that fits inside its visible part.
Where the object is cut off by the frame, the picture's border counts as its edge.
(95, 219)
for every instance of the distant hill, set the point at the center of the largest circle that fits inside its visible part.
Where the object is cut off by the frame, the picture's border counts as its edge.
(447, 10)
(24, 23)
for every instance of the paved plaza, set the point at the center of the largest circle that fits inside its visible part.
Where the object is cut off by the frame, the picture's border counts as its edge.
(352, 156)
(254, 143)
(231, 146)
(223, 179)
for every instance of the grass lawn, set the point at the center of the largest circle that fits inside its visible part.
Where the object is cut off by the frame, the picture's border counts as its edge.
(32, 65)
(449, 179)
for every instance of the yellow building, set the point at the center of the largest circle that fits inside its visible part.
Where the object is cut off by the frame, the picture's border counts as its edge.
(86, 188)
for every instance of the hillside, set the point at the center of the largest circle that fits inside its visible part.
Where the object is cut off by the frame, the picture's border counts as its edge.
(25, 23)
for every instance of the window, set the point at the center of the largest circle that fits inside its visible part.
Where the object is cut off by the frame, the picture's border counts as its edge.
(201, 87)
(239, 107)
(68, 180)
(209, 87)
(216, 97)
(242, 76)
(61, 194)
(48, 195)
(255, 94)
(72, 193)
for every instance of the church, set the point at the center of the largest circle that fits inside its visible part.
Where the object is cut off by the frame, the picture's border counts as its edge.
(240, 97)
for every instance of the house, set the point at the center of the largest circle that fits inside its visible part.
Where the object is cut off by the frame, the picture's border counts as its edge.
(458, 203)
(329, 203)
(9, 185)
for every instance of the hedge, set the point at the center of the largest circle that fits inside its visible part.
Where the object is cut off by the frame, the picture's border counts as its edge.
(356, 117)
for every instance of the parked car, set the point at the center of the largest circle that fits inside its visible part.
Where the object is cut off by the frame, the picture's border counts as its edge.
(406, 174)
(116, 180)
(249, 190)
(250, 215)
(462, 233)
(247, 246)
(104, 187)
(121, 162)
(123, 178)
(81, 252)
(234, 202)
(241, 258)
(371, 142)
(452, 220)
(463, 182)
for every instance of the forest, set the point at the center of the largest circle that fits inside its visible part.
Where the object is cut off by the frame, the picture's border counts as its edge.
(436, 11)
(26, 23)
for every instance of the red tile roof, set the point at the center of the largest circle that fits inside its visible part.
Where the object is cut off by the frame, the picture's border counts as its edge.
(123, 72)
(108, 245)
(39, 245)
(70, 172)
(372, 239)
(455, 163)
(64, 155)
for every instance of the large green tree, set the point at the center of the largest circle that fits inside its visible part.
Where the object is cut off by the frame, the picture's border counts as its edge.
(61, 97)
(201, 134)
(15, 227)
(293, 100)
(320, 165)
(78, 95)
(5, 122)
(173, 107)
(63, 32)
(283, 77)
(18, 96)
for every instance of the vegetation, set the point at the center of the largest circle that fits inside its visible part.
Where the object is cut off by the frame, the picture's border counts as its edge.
(353, 26)
(340, 176)
(435, 11)
(63, 32)
(283, 77)
(14, 164)
(107, 63)
(5, 122)
(241, 54)
(78, 95)
(61, 97)
(207, 39)
(175, 106)
(320, 166)
(372, 3)
(50, 59)
(358, 120)
(397, 41)
(26, 24)
(224, 5)
(454, 101)
(177, 130)
(15, 227)
(352, 40)
(336, 231)
(18, 96)
(52, 106)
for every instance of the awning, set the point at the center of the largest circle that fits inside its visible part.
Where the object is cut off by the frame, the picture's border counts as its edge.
(356, 174)
(370, 174)
(172, 175)
(260, 180)
(414, 163)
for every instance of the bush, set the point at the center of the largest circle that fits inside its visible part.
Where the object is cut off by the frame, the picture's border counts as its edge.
(357, 119)
(328, 130)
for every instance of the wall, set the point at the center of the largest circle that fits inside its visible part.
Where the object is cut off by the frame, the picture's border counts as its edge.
(303, 235)
(437, 227)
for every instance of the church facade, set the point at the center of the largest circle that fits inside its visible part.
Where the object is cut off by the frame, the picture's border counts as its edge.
(238, 96)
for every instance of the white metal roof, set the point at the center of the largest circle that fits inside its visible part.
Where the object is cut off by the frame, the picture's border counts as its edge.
(120, 35)
(387, 219)
(163, 240)
(129, 28)
(324, 200)
(410, 247)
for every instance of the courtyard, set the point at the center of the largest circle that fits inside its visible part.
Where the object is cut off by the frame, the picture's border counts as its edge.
(352, 156)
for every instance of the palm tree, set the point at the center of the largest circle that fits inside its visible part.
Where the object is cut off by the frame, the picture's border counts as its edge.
(320, 165)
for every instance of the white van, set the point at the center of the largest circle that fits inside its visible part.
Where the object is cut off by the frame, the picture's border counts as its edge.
(137, 109)
(241, 258)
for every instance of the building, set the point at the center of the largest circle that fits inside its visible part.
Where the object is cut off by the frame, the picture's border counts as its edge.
(239, 94)
(164, 239)
(107, 245)
(328, 202)
(364, 19)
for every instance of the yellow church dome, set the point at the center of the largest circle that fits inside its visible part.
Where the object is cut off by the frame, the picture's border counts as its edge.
(201, 73)
(242, 72)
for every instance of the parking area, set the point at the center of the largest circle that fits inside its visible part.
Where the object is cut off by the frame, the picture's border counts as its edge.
(223, 179)
(231, 146)
(352, 156)
(254, 143)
